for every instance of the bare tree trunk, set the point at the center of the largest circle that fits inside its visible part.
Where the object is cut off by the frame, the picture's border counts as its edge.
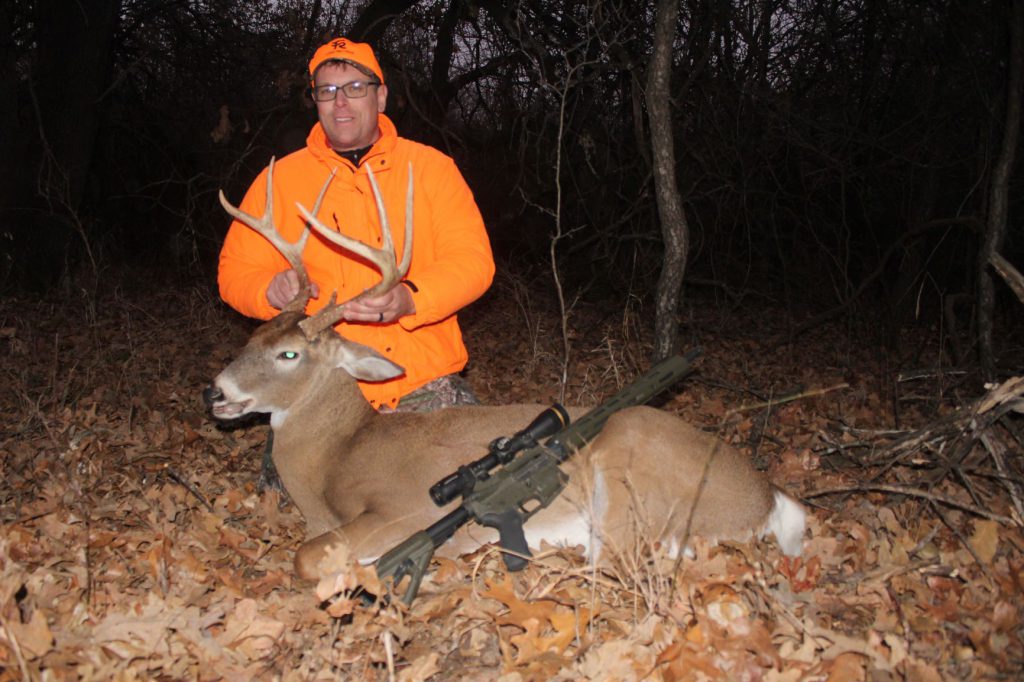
(13, 183)
(69, 78)
(69, 115)
(674, 229)
(995, 229)
(375, 18)
(309, 38)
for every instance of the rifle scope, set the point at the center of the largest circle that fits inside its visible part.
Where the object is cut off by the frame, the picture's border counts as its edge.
(501, 451)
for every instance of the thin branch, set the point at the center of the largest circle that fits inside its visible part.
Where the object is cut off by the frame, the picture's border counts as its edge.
(178, 478)
(914, 492)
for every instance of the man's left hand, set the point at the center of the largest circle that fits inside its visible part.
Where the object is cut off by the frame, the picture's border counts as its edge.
(388, 307)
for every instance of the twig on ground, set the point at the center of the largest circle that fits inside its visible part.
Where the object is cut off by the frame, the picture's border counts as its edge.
(16, 648)
(773, 402)
(913, 492)
(178, 478)
(963, 541)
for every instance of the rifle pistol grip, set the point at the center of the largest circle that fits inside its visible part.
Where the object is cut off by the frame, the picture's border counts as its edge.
(509, 524)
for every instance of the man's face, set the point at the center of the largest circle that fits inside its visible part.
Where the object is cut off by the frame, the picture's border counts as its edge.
(349, 123)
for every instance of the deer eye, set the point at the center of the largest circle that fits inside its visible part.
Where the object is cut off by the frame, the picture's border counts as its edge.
(288, 355)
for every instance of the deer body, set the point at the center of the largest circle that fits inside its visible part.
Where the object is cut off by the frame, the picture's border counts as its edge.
(361, 479)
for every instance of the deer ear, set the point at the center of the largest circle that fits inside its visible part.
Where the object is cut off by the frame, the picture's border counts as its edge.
(366, 364)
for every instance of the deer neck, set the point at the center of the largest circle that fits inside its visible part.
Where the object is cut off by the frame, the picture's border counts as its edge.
(311, 438)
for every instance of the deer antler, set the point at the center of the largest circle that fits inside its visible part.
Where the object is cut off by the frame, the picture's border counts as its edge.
(383, 258)
(292, 252)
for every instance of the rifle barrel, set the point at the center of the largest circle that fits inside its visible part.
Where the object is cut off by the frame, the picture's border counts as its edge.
(656, 380)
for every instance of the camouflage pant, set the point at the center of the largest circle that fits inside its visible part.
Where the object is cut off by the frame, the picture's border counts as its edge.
(447, 391)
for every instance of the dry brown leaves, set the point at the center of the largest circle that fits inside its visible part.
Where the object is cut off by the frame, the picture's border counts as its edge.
(133, 543)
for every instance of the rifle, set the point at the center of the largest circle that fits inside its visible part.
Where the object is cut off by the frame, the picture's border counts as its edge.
(525, 483)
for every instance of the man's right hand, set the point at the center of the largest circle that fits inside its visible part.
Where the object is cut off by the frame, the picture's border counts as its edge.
(285, 287)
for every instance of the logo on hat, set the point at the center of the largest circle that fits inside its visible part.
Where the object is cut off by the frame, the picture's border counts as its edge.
(346, 50)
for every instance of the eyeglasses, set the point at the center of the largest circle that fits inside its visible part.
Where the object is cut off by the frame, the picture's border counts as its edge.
(353, 90)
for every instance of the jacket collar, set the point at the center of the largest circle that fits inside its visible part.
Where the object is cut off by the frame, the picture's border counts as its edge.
(317, 143)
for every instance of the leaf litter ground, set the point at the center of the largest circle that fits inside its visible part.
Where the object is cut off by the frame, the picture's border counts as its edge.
(133, 543)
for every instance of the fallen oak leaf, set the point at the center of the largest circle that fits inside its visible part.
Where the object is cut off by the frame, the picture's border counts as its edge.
(695, 635)
(233, 581)
(339, 582)
(33, 638)
(269, 581)
(791, 568)
(193, 567)
(669, 653)
(847, 644)
(530, 644)
(421, 669)
(691, 665)
(141, 630)
(1005, 616)
(446, 569)
(249, 632)
(847, 667)
(240, 543)
(724, 606)
(985, 539)
(568, 624)
(616, 659)
(191, 435)
(519, 611)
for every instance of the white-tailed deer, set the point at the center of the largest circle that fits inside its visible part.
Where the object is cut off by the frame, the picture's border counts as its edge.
(361, 478)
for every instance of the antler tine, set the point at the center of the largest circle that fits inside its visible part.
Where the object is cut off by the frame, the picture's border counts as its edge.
(323, 192)
(292, 252)
(383, 258)
(403, 267)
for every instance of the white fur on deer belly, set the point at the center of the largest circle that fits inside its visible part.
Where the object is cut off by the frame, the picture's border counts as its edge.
(578, 528)
(561, 533)
(567, 532)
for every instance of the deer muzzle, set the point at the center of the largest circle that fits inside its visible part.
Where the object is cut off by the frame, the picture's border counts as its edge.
(212, 394)
(220, 406)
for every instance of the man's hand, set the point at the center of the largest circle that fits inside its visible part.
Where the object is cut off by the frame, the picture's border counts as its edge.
(285, 287)
(388, 307)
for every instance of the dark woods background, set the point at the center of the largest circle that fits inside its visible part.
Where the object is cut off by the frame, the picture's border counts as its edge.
(845, 159)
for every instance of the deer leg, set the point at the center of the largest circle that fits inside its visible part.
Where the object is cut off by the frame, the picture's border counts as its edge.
(269, 478)
(364, 539)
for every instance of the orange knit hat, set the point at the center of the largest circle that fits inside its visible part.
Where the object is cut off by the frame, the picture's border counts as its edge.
(348, 51)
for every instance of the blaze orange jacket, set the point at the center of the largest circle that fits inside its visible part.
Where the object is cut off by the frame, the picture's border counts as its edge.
(451, 259)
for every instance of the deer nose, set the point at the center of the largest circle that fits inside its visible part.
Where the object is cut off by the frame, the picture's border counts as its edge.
(212, 394)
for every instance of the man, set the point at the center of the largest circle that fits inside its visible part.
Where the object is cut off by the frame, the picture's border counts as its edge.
(414, 324)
